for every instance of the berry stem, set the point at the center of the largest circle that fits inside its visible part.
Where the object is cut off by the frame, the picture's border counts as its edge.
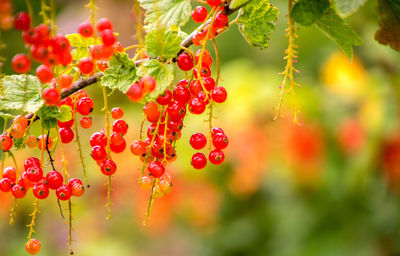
(29, 127)
(107, 119)
(30, 9)
(43, 12)
(60, 208)
(53, 18)
(93, 8)
(218, 61)
(13, 212)
(139, 22)
(108, 206)
(48, 151)
(63, 159)
(151, 202)
(33, 214)
(71, 252)
(133, 47)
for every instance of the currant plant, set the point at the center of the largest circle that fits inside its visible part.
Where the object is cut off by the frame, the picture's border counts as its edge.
(53, 98)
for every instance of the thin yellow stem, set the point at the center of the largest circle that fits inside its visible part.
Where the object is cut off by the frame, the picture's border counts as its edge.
(33, 214)
(71, 252)
(108, 206)
(139, 22)
(133, 47)
(30, 10)
(13, 212)
(63, 159)
(151, 202)
(53, 18)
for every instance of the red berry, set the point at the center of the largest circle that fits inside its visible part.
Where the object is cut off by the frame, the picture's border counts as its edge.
(65, 58)
(214, 3)
(31, 36)
(32, 141)
(148, 84)
(181, 94)
(176, 111)
(44, 32)
(86, 65)
(138, 147)
(185, 61)
(65, 81)
(6, 142)
(206, 59)
(21, 63)
(85, 106)
(199, 14)
(219, 94)
(18, 191)
(195, 87)
(165, 98)
(44, 74)
(120, 126)
(199, 161)
(216, 130)
(208, 83)
(39, 52)
(85, 29)
(67, 124)
(197, 106)
(199, 37)
(35, 174)
(31, 162)
(98, 153)
(102, 65)
(60, 44)
(116, 138)
(175, 125)
(135, 92)
(76, 186)
(108, 37)
(156, 169)
(151, 111)
(198, 141)
(22, 21)
(43, 142)
(86, 122)
(54, 179)
(103, 24)
(204, 71)
(63, 192)
(108, 167)
(51, 96)
(40, 191)
(6, 184)
(221, 20)
(216, 156)
(10, 172)
(24, 181)
(118, 148)
(117, 113)
(98, 139)
(220, 141)
(33, 246)
(66, 134)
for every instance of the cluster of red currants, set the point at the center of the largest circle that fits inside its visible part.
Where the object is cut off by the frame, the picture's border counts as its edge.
(138, 90)
(33, 177)
(99, 142)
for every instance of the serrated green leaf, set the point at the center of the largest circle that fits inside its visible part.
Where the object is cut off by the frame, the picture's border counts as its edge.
(120, 74)
(48, 116)
(166, 13)
(307, 12)
(339, 31)
(65, 114)
(81, 45)
(237, 3)
(21, 92)
(162, 43)
(389, 25)
(256, 21)
(347, 7)
(161, 72)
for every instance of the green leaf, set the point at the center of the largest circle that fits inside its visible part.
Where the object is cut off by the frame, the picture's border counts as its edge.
(6, 115)
(339, 31)
(256, 21)
(237, 3)
(21, 92)
(395, 6)
(347, 7)
(166, 13)
(162, 73)
(389, 25)
(162, 43)
(65, 114)
(81, 45)
(48, 116)
(19, 143)
(307, 12)
(121, 73)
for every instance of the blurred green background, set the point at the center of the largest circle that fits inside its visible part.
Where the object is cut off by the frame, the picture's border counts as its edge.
(327, 187)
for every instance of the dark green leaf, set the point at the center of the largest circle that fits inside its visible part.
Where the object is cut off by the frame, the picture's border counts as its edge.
(395, 6)
(162, 43)
(121, 73)
(48, 116)
(307, 12)
(166, 13)
(21, 92)
(339, 31)
(389, 25)
(162, 73)
(347, 7)
(256, 22)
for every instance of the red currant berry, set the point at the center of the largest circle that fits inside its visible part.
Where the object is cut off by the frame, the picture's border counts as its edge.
(165, 98)
(135, 92)
(60, 44)
(98, 139)
(185, 61)
(54, 179)
(86, 65)
(146, 182)
(6, 142)
(181, 94)
(67, 124)
(66, 134)
(18, 191)
(148, 84)
(176, 110)
(108, 37)
(22, 21)
(220, 141)
(156, 169)
(219, 94)
(31, 162)
(214, 3)
(216, 130)
(32, 141)
(86, 122)
(65, 81)
(44, 74)
(65, 58)
(197, 106)
(85, 106)
(165, 186)
(6, 184)
(221, 20)
(85, 29)
(31, 36)
(43, 141)
(120, 126)
(33, 246)
(17, 131)
(216, 156)
(199, 14)
(63, 192)
(10, 172)
(98, 153)
(35, 174)
(198, 141)
(39, 52)
(51, 96)
(175, 125)
(199, 161)
(108, 167)
(206, 59)
(138, 147)
(24, 181)
(195, 88)
(118, 148)
(102, 65)
(117, 113)
(21, 63)
(204, 71)
(199, 37)
(116, 138)
(44, 32)
(76, 186)
(40, 191)
(103, 24)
